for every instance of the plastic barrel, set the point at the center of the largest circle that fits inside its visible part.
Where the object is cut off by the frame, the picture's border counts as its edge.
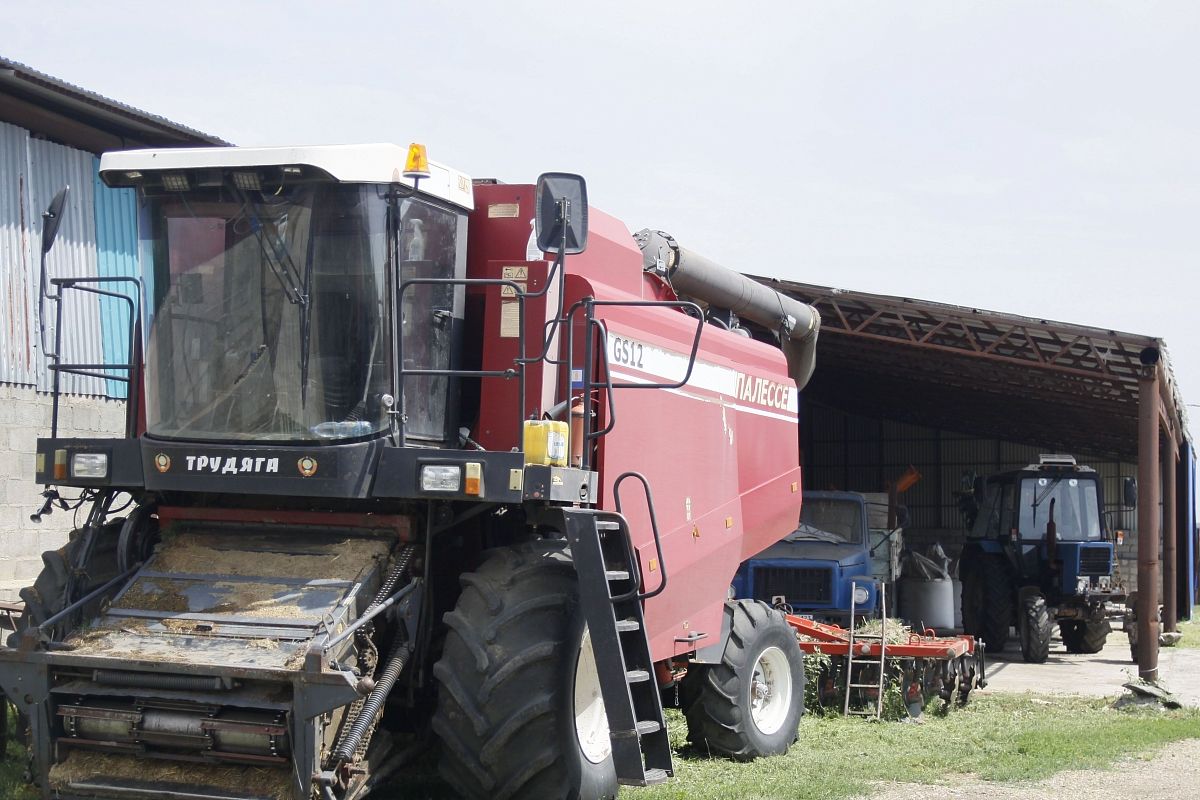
(927, 604)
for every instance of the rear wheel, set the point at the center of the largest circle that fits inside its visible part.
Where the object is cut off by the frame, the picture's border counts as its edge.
(1035, 629)
(520, 713)
(1084, 637)
(749, 705)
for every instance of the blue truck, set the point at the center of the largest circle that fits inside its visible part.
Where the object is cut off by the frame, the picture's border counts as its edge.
(816, 569)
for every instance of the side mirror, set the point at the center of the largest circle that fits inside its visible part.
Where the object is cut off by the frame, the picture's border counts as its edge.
(52, 218)
(562, 213)
(1130, 490)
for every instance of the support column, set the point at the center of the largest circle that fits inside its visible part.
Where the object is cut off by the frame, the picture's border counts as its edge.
(1148, 516)
(1170, 612)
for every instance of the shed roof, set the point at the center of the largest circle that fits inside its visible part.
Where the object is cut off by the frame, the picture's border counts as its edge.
(1051, 384)
(82, 118)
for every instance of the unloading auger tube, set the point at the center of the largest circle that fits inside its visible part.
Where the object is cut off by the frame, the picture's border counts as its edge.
(694, 276)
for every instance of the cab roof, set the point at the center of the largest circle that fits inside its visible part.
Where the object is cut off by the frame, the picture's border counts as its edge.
(359, 163)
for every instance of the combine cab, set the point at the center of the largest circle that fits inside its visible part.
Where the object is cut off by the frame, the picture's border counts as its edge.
(387, 481)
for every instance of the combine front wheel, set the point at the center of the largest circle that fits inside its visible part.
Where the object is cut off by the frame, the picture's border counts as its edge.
(519, 707)
(749, 705)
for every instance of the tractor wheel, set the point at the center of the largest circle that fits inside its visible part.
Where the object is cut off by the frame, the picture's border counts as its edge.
(972, 601)
(519, 712)
(1084, 637)
(749, 705)
(997, 614)
(1035, 629)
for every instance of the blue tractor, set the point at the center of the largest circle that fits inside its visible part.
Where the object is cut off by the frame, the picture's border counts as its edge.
(1038, 551)
(819, 569)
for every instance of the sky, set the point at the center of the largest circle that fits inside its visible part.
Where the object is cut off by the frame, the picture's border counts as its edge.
(1029, 157)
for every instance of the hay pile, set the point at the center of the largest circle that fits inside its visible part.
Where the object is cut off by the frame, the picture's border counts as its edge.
(897, 631)
(221, 555)
(270, 783)
(150, 595)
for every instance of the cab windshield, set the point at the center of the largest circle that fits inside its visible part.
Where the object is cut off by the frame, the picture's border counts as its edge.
(830, 520)
(1076, 508)
(270, 311)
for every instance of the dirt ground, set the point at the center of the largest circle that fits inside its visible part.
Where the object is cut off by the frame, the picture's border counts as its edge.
(1099, 675)
(1172, 774)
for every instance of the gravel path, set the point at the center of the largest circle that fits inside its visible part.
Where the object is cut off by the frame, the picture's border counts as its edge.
(1173, 774)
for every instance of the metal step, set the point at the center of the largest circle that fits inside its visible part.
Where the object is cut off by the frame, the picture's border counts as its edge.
(641, 750)
(656, 775)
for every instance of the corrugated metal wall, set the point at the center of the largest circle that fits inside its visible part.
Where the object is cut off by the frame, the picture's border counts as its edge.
(97, 236)
(855, 453)
(17, 268)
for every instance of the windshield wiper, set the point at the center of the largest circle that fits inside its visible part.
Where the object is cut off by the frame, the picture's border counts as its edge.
(1039, 497)
(806, 531)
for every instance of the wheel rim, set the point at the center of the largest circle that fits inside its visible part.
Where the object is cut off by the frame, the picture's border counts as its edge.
(770, 690)
(591, 721)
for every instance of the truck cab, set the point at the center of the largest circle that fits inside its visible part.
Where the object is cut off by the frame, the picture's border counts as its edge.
(817, 568)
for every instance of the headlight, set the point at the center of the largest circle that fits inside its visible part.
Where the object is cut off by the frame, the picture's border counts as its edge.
(441, 478)
(89, 465)
(861, 595)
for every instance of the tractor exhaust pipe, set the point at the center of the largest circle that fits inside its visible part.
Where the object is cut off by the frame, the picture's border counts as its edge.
(695, 276)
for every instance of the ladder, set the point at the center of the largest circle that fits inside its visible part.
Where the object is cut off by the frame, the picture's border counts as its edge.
(609, 583)
(861, 645)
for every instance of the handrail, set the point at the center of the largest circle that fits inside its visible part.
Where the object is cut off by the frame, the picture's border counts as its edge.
(88, 370)
(662, 563)
(588, 305)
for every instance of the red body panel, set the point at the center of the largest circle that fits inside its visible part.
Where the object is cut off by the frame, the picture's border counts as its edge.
(720, 453)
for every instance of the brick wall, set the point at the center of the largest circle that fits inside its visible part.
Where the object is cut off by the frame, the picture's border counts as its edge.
(24, 416)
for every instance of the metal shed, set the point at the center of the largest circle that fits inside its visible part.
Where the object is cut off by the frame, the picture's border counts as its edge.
(1018, 384)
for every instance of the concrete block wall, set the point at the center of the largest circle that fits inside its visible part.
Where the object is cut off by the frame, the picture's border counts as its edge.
(24, 416)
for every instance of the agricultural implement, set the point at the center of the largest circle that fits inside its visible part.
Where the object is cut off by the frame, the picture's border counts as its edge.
(927, 665)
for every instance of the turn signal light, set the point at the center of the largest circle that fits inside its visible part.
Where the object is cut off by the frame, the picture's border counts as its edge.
(60, 465)
(474, 479)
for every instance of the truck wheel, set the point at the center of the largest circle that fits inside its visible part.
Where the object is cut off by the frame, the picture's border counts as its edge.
(519, 707)
(749, 705)
(997, 615)
(1035, 629)
(1084, 637)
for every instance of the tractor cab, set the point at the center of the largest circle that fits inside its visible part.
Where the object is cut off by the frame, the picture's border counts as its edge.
(1039, 550)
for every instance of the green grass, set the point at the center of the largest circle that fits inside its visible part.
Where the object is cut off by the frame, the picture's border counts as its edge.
(1190, 631)
(12, 766)
(996, 737)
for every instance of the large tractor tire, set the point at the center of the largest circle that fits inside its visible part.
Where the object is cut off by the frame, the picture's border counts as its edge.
(1084, 637)
(997, 614)
(749, 705)
(971, 600)
(519, 708)
(1036, 629)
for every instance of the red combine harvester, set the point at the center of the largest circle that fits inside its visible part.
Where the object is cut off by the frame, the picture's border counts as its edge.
(390, 450)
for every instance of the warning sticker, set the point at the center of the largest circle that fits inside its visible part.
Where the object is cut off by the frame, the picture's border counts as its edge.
(510, 319)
